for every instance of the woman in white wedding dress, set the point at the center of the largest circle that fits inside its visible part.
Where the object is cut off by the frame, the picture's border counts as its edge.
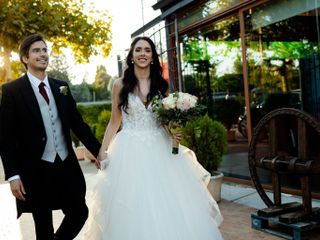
(146, 192)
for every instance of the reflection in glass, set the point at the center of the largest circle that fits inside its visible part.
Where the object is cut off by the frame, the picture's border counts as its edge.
(204, 10)
(283, 44)
(212, 69)
(283, 57)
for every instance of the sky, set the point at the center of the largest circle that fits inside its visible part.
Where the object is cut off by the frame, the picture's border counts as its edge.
(127, 16)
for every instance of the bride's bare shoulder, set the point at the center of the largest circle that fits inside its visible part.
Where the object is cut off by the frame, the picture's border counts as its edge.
(117, 86)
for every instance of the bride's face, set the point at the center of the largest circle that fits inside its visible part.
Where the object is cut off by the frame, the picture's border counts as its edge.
(142, 54)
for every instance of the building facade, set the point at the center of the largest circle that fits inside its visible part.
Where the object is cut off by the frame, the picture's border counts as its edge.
(253, 55)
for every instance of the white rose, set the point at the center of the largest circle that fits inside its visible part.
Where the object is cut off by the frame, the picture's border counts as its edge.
(169, 102)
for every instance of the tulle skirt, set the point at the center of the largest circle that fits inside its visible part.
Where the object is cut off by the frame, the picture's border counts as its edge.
(148, 193)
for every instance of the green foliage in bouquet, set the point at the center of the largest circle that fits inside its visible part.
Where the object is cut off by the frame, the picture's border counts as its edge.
(178, 116)
(208, 139)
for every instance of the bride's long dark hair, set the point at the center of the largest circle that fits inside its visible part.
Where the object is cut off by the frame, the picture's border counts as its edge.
(158, 85)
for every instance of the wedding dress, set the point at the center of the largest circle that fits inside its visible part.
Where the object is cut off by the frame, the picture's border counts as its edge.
(146, 192)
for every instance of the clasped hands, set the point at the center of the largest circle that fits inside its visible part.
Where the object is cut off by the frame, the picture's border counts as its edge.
(102, 161)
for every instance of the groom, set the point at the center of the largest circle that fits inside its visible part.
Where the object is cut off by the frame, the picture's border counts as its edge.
(36, 116)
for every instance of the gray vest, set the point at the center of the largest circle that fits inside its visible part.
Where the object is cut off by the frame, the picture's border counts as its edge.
(56, 142)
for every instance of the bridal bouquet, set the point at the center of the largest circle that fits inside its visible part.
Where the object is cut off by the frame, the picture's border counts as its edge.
(175, 110)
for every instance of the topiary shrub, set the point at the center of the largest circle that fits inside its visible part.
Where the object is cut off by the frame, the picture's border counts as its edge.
(208, 139)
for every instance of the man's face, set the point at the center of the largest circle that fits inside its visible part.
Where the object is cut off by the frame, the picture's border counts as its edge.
(38, 58)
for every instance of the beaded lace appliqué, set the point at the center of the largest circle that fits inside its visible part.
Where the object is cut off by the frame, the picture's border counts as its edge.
(140, 121)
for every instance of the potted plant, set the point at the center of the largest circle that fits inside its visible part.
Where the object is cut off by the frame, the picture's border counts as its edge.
(208, 139)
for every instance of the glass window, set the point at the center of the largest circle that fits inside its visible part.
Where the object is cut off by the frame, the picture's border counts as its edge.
(212, 67)
(204, 10)
(283, 57)
(283, 43)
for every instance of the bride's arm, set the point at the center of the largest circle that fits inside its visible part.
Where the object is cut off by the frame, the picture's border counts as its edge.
(114, 123)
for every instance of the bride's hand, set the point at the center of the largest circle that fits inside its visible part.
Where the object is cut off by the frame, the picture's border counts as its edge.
(102, 160)
(102, 155)
(177, 136)
(104, 163)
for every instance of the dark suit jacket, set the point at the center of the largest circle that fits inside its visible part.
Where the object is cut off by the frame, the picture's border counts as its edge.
(22, 133)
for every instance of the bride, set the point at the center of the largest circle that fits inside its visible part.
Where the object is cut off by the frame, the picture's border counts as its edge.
(146, 192)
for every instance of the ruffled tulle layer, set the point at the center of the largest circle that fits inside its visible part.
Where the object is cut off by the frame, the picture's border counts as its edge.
(147, 193)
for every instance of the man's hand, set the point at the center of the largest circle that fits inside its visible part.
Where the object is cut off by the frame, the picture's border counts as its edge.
(17, 189)
(97, 163)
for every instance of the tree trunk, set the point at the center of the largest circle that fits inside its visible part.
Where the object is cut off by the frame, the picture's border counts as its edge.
(7, 66)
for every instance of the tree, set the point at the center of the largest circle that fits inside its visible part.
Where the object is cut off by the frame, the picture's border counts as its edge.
(58, 68)
(64, 23)
(101, 83)
(81, 92)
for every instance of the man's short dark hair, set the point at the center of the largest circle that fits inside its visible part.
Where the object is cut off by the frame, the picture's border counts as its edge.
(26, 43)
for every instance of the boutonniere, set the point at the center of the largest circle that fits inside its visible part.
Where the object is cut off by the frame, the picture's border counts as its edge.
(63, 90)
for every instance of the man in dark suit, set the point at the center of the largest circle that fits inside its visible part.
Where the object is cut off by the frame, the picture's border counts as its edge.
(36, 116)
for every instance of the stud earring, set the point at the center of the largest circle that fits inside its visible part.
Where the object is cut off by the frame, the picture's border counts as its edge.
(132, 61)
(151, 62)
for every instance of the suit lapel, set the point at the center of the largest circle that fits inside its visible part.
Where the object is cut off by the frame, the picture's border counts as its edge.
(31, 99)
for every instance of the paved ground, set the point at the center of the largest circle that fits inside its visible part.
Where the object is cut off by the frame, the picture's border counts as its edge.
(237, 204)
(237, 223)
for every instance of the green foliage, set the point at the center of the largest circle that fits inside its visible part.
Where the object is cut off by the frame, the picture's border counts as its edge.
(101, 83)
(102, 123)
(91, 112)
(17, 69)
(179, 116)
(93, 115)
(208, 139)
(231, 83)
(58, 68)
(81, 92)
(64, 22)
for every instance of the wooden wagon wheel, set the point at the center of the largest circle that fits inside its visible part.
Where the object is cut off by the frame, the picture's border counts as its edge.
(283, 141)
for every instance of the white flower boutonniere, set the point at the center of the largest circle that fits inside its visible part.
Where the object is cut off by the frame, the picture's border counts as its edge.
(63, 90)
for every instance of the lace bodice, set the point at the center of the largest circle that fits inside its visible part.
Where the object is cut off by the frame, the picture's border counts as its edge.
(139, 120)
